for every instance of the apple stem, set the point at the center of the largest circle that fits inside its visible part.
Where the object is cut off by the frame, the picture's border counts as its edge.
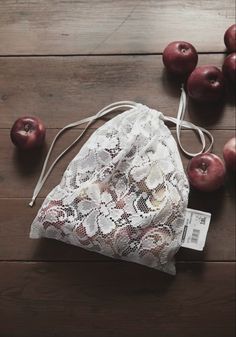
(204, 167)
(27, 127)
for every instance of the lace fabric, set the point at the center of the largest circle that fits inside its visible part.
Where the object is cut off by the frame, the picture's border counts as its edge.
(124, 195)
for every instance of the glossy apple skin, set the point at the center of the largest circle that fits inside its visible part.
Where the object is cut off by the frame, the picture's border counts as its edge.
(230, 38)
(229, 153)
(180, 58)
(28, 133)
(229, 67)
(206, 172)
(206, 84)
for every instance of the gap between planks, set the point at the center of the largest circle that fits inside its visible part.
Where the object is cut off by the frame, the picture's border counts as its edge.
(108, 262)
(107, 54)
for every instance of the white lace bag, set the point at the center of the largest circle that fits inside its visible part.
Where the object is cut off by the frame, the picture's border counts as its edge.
(125, 193)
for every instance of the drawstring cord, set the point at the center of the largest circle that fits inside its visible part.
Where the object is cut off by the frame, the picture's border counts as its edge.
(89, 120)
(179, 121)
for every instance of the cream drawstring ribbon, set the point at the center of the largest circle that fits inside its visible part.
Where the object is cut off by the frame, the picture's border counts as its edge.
(179, 121)
(43, 176)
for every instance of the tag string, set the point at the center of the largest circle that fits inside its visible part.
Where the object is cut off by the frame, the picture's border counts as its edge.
(180, 123)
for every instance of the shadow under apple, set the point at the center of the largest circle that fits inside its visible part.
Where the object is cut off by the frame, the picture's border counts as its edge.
(28, 162)
(207, 201)
(205, 114)
(230, 93)
(230, 183)
(172, 83)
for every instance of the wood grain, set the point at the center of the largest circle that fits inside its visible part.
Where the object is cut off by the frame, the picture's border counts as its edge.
(100, 26)
(19, 171)
(62, 60)
(116, 299)
(61, 90)
(16, 217)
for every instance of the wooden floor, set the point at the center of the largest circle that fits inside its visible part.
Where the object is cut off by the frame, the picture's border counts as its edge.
(62, 61)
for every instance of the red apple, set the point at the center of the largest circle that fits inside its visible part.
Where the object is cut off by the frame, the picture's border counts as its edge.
(28, 133)
(206, 84)
(229, 67)
(230, 38)
(180, 58)
(229, 153)
(206, 172)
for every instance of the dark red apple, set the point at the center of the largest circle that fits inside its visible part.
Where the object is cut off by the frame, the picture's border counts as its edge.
(229, 153)
(230, 38)
(180, 58)
(206, 84)
(28, 133)
(206, 172)
(229, 67)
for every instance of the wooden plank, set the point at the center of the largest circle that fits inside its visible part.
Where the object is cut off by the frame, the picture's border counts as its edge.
(100, 26)
(15, 242)
(61, 90)
(16, 217)
(116, 299)
(20, 171)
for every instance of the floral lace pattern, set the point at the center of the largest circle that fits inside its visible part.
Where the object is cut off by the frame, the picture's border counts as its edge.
(124, 195)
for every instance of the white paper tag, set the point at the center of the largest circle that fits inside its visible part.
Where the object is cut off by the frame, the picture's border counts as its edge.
(195, 230)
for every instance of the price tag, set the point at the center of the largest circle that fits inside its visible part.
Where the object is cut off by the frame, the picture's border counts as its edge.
(195, 230)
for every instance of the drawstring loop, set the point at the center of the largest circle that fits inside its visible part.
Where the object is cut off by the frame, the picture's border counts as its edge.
(181, 123)
(89, 120)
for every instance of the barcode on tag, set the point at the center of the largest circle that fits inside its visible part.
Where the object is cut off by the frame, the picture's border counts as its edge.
(195, 235)
(196, 224)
